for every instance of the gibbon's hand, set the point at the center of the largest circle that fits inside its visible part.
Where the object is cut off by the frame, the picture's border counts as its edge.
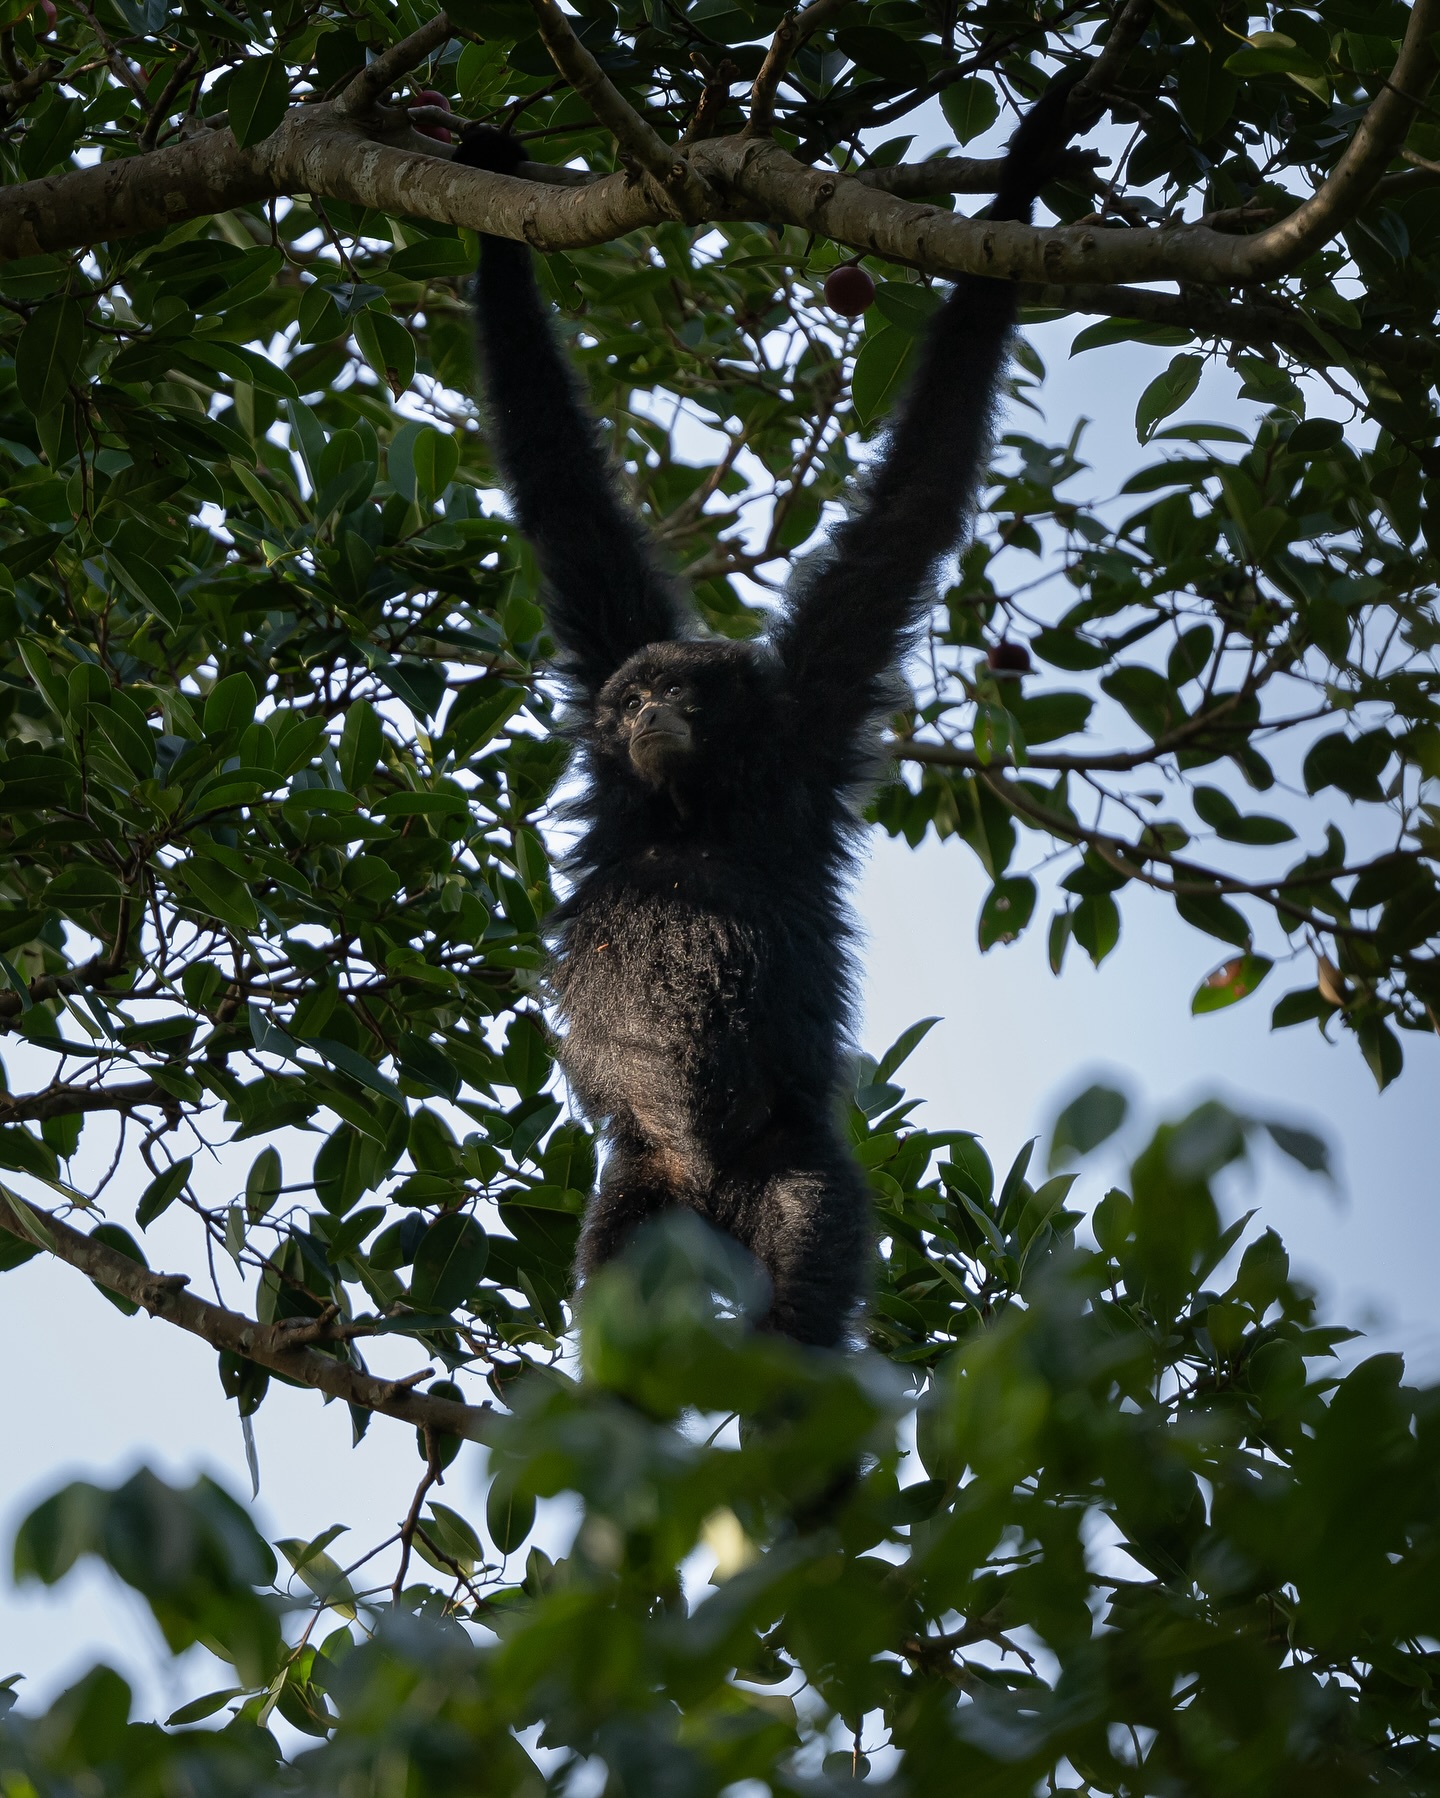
(483, 147)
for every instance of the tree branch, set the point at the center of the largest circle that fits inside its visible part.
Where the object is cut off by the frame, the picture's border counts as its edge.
(1378, 137)
(635, 135)
(1258, 320)
(67, 1101)
(1127, 30)
(316, 151)
(794, 29)
(268, 1345)
(962, 174)
(17, 94)
(376, 79)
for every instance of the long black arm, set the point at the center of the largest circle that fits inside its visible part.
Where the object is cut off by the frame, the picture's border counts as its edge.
(853, 613)
(605, 596)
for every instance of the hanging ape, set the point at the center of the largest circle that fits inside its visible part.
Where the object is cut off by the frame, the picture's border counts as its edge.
(703, 967)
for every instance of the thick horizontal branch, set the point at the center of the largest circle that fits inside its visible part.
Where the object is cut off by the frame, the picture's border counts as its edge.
(318, 151)
(962, 174)
(1257, 320)
(950, 755)
(271, 1346)
(69, 1101)
(94, 973)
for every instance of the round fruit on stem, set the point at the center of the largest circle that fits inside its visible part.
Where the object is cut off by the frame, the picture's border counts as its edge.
(849, 290)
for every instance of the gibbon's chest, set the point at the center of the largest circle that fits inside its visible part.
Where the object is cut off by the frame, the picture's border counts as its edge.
(695, 938)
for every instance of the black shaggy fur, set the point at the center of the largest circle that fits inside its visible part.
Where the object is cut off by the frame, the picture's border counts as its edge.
(703, 967)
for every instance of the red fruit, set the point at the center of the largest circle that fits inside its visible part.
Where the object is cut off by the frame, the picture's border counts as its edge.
(427, 96)
(1006, 657)
(47, 7)
(849, 290)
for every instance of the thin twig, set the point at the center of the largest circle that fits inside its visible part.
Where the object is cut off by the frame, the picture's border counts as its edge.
(634, 135)
(795, 28)
(1125, 34)
(713, 99)
(181, 74)
(433, 1477)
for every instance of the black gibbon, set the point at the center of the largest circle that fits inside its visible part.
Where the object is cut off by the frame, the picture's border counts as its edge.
(703, 966)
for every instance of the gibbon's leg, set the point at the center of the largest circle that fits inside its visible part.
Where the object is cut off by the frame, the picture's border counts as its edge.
(632, 1189)
(802, 1210)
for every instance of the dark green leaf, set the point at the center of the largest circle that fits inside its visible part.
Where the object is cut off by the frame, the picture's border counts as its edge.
(258, 94)
(448, 1263)
(48, 353)
(162, 1191)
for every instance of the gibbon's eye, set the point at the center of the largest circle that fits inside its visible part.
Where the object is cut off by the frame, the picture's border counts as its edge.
(673, 692)
(632, 702)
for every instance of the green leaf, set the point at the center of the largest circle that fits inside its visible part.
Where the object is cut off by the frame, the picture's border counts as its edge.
(1304, 1146)
(509, 1515)
(113, 1237)
(1008, 908)
(359, 1067)
(1092, 1117)
(1233, 980)
(970, 107)
(880, 371)
(200, 1708)
(448, 1263)
(148, 584)
(47, 355)
(1381, 1048)
(162, 1191)
(33, 1227)
(1353, 764)
(1206, 91)
(262, 1184)
(436, 455)
(230, 705)
(257, 97)
(388, 347)
(1147, 696)
(1128, 330)
(445, 256)
(1219, 811)
(906, 305)
(1210, 913)
(902, 1049)
(218, 893)
(1167, 393)
(1057, 937)
(1095, 925)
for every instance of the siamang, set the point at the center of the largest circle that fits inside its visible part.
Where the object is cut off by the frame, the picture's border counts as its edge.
(703, 967)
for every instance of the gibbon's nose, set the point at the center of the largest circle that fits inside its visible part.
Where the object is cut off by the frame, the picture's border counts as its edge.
(655, 717)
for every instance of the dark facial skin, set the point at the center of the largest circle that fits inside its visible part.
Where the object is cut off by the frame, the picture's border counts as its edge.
(656, 722)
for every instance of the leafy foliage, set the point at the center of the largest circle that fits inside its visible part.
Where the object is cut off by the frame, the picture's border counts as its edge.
(1259, 611)
(279, 771)
(1146, 1539)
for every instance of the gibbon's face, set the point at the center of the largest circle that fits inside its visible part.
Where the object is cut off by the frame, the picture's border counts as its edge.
(661, 710)
(657, 719)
